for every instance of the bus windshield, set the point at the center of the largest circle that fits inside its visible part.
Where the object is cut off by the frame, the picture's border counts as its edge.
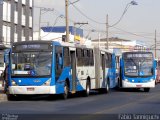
(138, 65)
(31, 64)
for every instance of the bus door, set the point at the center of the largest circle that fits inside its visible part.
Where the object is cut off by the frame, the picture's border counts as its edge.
(113, 71)
(73, 68)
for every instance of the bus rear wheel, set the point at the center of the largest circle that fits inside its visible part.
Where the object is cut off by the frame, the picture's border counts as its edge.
(87, 91)
(146, 89)
(107, 87)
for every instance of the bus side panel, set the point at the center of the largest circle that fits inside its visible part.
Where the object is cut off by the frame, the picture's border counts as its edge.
(61, 80)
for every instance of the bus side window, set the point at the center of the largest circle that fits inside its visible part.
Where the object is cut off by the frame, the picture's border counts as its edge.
(79, 57)
(91, 58)
(59, 61)
(66, 60)
(87, 57)
(108, 60)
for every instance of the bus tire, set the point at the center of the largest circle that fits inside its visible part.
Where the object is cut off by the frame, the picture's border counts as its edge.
(66, 91)
(11, 97)
(87, 90)
(107, 87)
(146, 89)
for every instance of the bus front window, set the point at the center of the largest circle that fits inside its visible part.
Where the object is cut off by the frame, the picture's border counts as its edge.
(31, 64)
(131, 68)
(139, 66)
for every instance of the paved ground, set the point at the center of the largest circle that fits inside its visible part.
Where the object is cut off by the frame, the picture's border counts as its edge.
(119, 103)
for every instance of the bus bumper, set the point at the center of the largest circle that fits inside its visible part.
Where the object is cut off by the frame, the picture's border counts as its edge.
(32, 90)
(126, 84)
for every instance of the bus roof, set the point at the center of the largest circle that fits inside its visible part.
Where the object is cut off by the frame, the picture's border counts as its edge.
(60, 43)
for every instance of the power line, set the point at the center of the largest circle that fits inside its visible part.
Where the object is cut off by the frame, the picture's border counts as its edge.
(56, 20)
(82, 13)
(94, 28)
(132, 33)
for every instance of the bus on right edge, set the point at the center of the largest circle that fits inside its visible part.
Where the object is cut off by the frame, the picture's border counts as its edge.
(137, 70)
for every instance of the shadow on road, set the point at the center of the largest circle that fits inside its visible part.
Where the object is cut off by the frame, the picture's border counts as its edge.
(128, 90)
(51, 97)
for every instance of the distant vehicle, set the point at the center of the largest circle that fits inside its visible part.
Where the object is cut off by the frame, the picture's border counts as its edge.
(137, 70)
(51, 67)
(158, 72)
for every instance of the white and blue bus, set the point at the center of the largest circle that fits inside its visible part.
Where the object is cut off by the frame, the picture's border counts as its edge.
(137, 70)
(52, 67)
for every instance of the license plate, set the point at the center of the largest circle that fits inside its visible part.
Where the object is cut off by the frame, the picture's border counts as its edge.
(30, 89)
(138, 86)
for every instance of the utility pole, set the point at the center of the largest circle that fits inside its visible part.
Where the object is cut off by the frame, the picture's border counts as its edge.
(39, 35)
(107, 27)
(67, 25)
(155, 43)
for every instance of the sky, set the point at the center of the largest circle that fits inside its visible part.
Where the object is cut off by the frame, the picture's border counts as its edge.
(138, 23)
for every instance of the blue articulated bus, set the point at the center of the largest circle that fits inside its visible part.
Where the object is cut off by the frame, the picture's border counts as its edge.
(52, 67)
(137, 70)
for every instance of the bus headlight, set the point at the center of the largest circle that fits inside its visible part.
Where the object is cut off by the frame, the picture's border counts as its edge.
(14, 83)
(151, 80)
(47, 83)
(126, 80)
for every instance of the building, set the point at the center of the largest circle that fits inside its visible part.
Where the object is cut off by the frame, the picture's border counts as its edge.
(58, 33)
(118, 45)
(16, 23)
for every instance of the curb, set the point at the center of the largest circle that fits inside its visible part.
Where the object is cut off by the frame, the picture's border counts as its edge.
(3, 96)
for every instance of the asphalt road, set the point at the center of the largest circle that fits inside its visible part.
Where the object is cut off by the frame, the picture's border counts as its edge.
(119, 102)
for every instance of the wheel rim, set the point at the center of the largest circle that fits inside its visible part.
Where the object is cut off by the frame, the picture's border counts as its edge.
(87, 89)
(107, 87)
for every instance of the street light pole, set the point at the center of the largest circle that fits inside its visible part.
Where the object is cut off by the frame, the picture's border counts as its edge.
(39, 35)
(67, 25)
(107, 24)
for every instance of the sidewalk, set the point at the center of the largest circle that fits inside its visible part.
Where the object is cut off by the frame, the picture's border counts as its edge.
(3, 96)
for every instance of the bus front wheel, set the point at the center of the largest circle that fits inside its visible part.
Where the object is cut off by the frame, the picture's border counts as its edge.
(66, 91)
(146, 89)
(11, 97)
